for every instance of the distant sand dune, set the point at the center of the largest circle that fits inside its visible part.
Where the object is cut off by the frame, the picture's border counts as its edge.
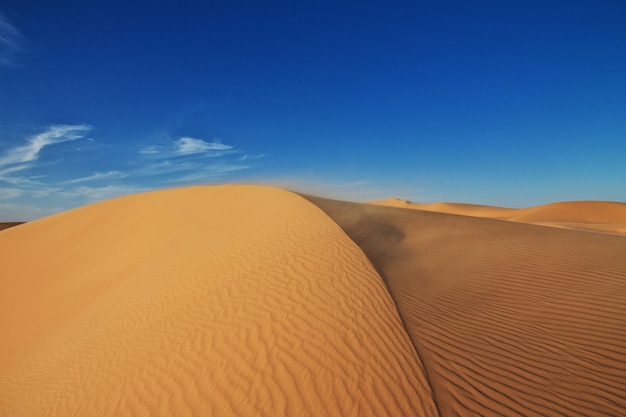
(598, 216)
(203, 301)
(510, 319)
(6, 225)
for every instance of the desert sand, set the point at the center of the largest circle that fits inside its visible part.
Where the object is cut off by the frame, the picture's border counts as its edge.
(202, 301)
(255, 301)
(509, 319)
(595, 216)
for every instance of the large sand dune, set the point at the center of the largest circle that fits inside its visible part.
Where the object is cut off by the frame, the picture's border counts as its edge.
(510, 319)
(252, 301)
(598, 216)
(203, 301)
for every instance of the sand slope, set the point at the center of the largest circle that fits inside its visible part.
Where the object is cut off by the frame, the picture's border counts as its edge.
(510, 319)
(598, 216)
(223, 301)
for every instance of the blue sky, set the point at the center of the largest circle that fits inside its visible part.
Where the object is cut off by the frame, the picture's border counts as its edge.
(512, 103)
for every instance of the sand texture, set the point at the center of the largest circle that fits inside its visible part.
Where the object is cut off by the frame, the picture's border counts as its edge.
(223, 301)
(510, 319)
(594, 216)
(252, 301)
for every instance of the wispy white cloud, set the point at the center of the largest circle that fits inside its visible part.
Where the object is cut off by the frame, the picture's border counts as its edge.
(32, 176)
(150, 150)
(53, 135)
(5, 171)
(188, 146)
(24, 157)
(185, 160)
(10, 41)
(44, 192)
(17, 180)
(92, 194)
(109, 175)
(165, 167)
(247, 157)
(9, 193)
(185, 146)
(57, 200)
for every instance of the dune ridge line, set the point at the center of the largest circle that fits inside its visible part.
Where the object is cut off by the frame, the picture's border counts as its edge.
(592, 216)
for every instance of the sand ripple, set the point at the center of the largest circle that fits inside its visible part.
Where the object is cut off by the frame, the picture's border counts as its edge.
(225, 301)
(510, 319)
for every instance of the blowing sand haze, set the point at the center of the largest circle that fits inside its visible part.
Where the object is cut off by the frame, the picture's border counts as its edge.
(255, 301)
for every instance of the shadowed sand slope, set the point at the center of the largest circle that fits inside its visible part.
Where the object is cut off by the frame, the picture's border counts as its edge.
(598, 216)
(6, 225)
(202, 301)
(510, 319)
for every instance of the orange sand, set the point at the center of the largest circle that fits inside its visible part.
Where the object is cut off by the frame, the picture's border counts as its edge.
(252, 301)
(509, 319)
(595, 216)
(202, 301)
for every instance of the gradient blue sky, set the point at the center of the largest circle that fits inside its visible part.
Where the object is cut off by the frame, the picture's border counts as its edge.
(512, 103)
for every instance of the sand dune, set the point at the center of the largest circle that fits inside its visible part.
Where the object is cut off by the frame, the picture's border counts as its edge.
(473, 210)
(598, 216)
(249, 300)
(6, 225)
(223, 301)
(510, 319)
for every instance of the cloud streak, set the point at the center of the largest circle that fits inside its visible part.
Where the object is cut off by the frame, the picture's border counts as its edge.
(36, 177)
(189, 146)
(10, 39)
(185, 160)
(93, 194)
(186, 146)
(109, 175)
(16, 180)
(9, 193)
(53, 135)
(150, 150)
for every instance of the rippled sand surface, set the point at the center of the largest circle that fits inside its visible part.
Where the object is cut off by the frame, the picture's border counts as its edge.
(509, 319)
(255, 301)
(202, 301)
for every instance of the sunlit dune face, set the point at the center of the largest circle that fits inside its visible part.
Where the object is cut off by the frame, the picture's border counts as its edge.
(228, 300)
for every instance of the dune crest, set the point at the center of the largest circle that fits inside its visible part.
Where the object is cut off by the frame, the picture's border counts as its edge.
(598, 216)
(226, 300)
